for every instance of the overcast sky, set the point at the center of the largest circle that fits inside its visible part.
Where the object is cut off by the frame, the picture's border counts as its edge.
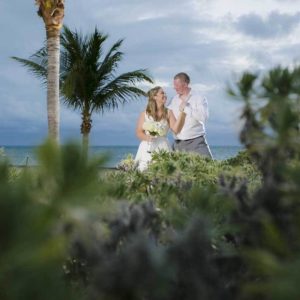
(212, 40)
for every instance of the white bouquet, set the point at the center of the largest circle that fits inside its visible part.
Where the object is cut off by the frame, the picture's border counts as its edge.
(155, 128)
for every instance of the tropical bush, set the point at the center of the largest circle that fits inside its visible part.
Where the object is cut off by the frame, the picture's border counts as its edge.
(174, 174)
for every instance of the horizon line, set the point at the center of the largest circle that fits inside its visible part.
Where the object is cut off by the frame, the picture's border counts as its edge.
(128, 145)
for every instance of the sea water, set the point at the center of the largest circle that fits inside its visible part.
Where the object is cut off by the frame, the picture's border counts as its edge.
(26, 155)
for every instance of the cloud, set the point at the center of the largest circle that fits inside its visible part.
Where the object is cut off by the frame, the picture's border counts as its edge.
(122, 12)
(290, 51)
(275, 25)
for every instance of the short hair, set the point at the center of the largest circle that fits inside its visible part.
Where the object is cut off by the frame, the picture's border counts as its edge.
(183, 77)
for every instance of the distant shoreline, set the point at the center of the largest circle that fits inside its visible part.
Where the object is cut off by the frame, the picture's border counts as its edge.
(27, 155)
(106, 146)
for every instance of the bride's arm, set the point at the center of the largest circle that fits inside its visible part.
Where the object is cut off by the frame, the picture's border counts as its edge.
(176, 125)
(140, 132)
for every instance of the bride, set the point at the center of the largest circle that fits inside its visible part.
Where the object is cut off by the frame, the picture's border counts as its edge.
(153, 125)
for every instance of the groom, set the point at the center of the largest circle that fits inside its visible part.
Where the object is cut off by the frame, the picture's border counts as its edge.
(192, 136)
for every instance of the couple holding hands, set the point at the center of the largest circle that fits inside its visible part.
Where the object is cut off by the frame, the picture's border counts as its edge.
(185, 116)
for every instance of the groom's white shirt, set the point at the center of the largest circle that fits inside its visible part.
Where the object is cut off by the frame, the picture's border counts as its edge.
(196, 115)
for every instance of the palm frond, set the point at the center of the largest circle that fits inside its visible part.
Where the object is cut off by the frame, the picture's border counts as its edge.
(121, 90)
(117, 96)
(35, 68)
(41, 56)
(94, 48)
(113, 53)
(106, 71)
(128, 78)
(73, 102)
(74, 85)
(73, 44)
(110, 63)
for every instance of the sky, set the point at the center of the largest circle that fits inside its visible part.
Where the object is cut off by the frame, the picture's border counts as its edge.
(214, 41)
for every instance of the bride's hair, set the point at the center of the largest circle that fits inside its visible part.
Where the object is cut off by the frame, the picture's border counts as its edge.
(151, 109)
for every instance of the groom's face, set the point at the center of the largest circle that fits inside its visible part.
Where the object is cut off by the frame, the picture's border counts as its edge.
(180, 86)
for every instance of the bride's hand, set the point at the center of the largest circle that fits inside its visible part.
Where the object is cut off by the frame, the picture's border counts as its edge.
(182, 106)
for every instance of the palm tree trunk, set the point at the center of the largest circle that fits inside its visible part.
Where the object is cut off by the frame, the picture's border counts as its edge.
(85, 144)
(86, 126)
(53, 45)
(52, 12)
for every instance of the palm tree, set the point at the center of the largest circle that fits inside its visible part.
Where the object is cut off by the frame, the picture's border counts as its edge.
(52, 12)
(88, 77)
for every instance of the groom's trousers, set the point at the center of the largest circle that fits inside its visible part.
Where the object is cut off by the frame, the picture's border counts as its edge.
(196, 145)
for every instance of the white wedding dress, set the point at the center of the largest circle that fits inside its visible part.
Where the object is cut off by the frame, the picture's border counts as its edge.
(145, 150)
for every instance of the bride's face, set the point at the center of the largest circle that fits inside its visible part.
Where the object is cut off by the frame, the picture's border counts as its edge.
(160, 98)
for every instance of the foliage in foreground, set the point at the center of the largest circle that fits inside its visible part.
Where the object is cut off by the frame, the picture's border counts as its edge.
(185, 229)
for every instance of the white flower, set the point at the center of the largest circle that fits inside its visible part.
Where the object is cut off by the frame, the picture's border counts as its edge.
(149, 126)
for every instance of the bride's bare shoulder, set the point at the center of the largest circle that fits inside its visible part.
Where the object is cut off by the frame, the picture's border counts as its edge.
(142, 115)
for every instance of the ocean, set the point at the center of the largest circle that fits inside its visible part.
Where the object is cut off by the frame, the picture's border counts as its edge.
(26, 155)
